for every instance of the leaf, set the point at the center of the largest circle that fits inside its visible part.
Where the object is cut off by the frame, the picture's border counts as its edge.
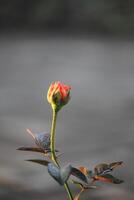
(35, 149)
(61, 175)
(54, 171)
(113, 179)
(76, 172)
(43, 140)
(102, 168)
(86, 171)
(38, 161)
(115, 164)
(65, 173)
(108, 178)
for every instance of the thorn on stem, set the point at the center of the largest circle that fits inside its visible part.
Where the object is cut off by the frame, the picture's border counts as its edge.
(30, 132)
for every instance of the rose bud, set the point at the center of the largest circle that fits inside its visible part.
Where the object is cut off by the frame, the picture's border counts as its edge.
(58, 95)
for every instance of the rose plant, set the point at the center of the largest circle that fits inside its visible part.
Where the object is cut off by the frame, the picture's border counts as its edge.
(58, 95)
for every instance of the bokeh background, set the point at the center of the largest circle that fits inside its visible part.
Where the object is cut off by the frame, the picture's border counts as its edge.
(89, 45)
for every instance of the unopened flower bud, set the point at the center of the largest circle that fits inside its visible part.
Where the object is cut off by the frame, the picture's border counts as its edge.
(58, 95)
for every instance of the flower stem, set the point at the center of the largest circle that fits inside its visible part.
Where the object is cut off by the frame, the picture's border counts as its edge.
(52, 146)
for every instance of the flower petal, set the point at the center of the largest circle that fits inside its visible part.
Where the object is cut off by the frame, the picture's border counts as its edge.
(58, 95)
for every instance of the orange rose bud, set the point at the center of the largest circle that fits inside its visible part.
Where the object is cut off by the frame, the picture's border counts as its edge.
(58, 95)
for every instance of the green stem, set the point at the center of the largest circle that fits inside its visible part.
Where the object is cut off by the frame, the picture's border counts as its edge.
(53, 155)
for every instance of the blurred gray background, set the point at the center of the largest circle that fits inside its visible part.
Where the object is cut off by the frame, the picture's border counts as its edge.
(89, 45)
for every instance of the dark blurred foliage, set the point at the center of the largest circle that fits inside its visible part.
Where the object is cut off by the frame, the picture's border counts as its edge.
(93, 16)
